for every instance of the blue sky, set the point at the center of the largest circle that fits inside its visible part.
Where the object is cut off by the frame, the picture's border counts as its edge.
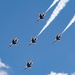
(18, 19)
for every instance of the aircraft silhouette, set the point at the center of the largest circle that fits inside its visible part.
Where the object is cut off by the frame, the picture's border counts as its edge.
(28, 65)
(13, 42)
(58, 36)
(41, 16)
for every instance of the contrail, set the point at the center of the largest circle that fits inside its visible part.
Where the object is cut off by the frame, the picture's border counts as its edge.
(54, 2)
(71, 22)
(55, 13)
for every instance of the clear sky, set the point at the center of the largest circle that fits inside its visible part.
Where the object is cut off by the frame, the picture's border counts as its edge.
(18, 19)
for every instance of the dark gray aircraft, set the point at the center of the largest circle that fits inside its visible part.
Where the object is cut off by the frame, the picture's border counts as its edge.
(33, 41)
(28, 65)
(41, 16)
(14, 42)
(58, 36)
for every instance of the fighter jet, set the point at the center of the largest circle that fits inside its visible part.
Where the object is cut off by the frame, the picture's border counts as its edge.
(14, 42)
(41, 16)
(58, 36)
(33, 40)
(28, 65)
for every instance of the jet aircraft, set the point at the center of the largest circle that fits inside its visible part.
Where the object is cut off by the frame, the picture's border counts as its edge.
(14, 42)
(33, 40)
(28, 65)
(41, 16)
(58, 36)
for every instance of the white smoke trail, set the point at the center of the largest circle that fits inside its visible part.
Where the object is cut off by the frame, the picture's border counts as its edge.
(54, 2)
(71, 22)
(55, 13)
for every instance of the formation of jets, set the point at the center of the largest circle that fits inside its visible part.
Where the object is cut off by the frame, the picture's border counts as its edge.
(33, 41)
